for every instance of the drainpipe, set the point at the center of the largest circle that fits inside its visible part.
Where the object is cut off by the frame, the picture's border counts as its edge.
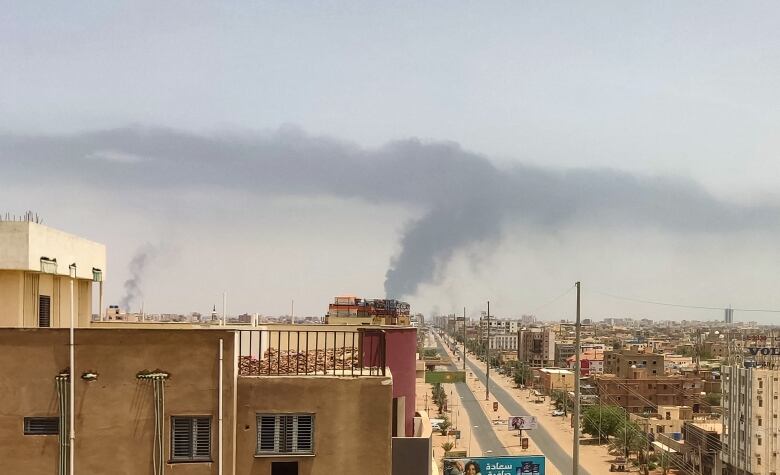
(219, 398)
(72, 435)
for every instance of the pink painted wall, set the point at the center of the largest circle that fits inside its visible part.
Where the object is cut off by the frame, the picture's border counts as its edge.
(400, 357)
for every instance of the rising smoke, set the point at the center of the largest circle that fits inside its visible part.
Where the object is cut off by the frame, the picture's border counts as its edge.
(465, 199)
(138, 268)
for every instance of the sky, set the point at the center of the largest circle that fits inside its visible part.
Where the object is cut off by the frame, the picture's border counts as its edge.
(447, 153)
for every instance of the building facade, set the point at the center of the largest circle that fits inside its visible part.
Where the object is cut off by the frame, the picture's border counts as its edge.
(750, 419)
(536, 347)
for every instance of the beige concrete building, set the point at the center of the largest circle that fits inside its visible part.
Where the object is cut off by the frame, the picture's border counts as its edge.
(750, 420)
(181, 398)
(536, 346)
(38, 264)
(623, 362)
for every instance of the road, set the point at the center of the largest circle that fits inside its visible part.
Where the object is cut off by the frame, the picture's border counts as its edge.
(487, 439)
(549, 447)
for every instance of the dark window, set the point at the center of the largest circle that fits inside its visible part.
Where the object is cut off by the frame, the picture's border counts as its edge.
(284, 468)
(41, 425)
(190, 438)
(285, 434)
(44, 311)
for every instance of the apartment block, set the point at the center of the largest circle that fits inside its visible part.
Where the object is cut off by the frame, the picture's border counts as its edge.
(536, 347)
(750, 419)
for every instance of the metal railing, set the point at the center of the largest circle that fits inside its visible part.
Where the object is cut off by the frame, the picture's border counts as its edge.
(311, 352)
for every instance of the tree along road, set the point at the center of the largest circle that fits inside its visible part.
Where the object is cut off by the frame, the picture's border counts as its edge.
(486, 437)
(549, 447)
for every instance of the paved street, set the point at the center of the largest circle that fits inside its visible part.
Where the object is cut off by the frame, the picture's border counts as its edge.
(484, 433)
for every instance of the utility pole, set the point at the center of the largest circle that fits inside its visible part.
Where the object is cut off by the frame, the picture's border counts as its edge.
(464, 339)
(576, 416)
(487, 356)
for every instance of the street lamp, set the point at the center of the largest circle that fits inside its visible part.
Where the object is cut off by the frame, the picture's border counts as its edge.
(468, 449)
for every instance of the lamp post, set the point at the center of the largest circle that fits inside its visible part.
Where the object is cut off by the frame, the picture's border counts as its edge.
(471, 432)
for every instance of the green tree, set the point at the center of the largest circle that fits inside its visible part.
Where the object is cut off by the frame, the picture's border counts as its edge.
(445, 426)
(602, 421)
(447, 446)
(628, 439)
(522, 373)
(712, 399)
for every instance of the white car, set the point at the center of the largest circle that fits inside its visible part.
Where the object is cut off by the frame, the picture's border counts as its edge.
(557, 413)
(436, 427)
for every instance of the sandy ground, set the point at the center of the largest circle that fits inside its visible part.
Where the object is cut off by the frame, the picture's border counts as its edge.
(595, 459)
(458, 417)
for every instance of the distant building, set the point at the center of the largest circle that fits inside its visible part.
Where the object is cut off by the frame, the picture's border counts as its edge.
(622, 362)
(506, 342)
(351, 310)
(641, 392)
(536, 346)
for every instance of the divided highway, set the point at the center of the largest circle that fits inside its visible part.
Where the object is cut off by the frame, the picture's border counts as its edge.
(549, 447)
(486, 437)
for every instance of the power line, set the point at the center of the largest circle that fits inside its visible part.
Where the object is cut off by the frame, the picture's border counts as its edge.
(699, 307)
(553, 300)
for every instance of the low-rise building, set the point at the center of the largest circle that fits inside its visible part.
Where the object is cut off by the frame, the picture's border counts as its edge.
(623, 362)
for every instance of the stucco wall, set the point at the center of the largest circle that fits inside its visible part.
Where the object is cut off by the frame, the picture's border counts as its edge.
(19, 292)
(22, 244)
(352, 420)
(114, 414)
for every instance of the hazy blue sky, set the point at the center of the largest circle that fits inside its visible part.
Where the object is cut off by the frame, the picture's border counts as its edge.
(686, 90)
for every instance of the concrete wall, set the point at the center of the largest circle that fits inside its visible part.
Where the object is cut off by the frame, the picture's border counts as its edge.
(114, 414)
(19, 292)
(22, 244)
(352, 422)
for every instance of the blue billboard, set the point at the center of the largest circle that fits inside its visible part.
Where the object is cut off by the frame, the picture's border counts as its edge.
(508, 465)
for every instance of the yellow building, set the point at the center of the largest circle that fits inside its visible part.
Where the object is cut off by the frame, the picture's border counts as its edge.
(38, 267)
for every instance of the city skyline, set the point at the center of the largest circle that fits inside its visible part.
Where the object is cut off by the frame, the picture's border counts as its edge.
(506, 157)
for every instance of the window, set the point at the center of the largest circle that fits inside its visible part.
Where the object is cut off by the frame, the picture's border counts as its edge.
(760, 403)
(41, 425)
(285, 434)
(760, 383)
(190, 438)
(759, 422)
(44, 311)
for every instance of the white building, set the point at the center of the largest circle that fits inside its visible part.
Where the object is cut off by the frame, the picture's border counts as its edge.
(750, 420)
(507, 342)
(38, 264)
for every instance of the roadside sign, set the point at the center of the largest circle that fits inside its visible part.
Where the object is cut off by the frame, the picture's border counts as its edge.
(524, 443)
(445, 377)
(456, 433)
(522, 423)
(495, 406)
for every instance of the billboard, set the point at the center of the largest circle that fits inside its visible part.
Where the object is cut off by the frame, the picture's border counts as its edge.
(522, 422)
(508, 465)
(445, 377)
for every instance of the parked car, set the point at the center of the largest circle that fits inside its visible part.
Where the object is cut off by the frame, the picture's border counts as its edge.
(558, 412)
(436, 427)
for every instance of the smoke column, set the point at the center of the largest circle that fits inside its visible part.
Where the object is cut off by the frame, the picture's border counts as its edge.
(464, 198)
(138, 268)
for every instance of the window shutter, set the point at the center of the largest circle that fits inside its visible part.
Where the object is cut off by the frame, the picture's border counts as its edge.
(285, 433)
(266, 434)
(44, 311)
(304, 434)
(41, 425)
(181, 438)
(201, 435)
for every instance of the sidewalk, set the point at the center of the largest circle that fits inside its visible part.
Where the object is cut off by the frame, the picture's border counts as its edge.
(595, 459)
(509, 439)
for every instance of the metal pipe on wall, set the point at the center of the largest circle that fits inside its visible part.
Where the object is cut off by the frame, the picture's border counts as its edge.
(71, 415)
(220, 403)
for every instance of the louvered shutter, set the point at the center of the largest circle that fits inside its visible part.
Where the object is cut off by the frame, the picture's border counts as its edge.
(181, 438)
(41, 425)
(44, 311)
(285, 434)
(201, 436)
(304, 434)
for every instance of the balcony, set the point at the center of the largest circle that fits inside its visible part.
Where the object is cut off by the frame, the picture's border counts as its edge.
(312, 352)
